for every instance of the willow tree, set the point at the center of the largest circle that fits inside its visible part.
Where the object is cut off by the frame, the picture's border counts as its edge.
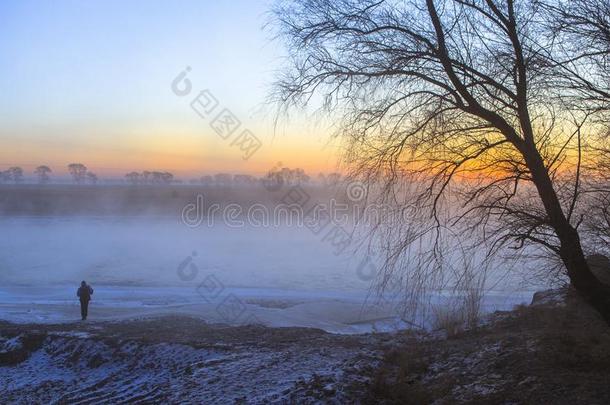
(474, 96)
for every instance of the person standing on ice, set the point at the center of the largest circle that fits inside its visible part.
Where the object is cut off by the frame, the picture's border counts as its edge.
(84, 293)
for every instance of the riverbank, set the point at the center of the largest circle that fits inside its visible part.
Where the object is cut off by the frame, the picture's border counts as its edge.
(554, 351)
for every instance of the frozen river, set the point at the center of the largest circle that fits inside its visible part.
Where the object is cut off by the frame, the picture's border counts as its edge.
(274, 276)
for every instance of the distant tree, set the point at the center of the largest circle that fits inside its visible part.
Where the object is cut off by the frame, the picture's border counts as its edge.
(92, 177)
(273, 180)
(300, 177)
(5, 176)
(156, 177)
(167, 177)
(15, 174)
(78, 171)
(42, 172)
(244, 179)
(206, 180)
(285, 175)
(146, 177)
(223, 179)
(333, 179)
(133, 177)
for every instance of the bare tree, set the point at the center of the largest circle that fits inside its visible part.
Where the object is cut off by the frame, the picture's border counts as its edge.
(223, 179)
(206, 180)
(300, 177)
(146, 177)
(78, 171)
(167, 177)
(15, 174)
(244, 179)
(463, 104)
(133, 177)
(42, 172)
(581, 31)
(91, 177)
(333, 179)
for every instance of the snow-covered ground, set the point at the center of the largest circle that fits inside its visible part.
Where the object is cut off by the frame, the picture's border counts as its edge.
(272, 276)
(179, 360)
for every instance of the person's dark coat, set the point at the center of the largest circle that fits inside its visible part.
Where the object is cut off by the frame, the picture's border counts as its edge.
(84, 293)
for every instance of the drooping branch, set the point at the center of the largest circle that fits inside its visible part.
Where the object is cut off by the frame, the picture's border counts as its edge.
(459, 108)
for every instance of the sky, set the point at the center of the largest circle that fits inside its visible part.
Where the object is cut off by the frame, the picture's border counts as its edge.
(91, 82)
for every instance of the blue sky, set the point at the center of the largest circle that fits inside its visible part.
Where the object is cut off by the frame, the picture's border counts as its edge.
(118, 49)
(91, 80)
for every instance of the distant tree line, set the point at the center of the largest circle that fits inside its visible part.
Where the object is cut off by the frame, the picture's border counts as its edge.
(79, 172)
(284, 175)
(147, 177)
(280, 175)
(82, 175)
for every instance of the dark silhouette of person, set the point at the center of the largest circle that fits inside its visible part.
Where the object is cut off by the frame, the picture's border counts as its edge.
(84, 293)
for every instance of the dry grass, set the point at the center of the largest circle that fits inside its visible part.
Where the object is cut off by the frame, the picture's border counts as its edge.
(449, 319)
(397, 382)
(535, 354)
(459, 314)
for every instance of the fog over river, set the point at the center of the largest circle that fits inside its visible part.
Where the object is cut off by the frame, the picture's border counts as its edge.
(278, 276)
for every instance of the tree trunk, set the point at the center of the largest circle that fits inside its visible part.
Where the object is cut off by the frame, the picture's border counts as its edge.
(571, 253)
(581, 277)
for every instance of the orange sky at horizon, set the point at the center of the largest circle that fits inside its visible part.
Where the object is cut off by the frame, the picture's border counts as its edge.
(187, 154)
(92, 83)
